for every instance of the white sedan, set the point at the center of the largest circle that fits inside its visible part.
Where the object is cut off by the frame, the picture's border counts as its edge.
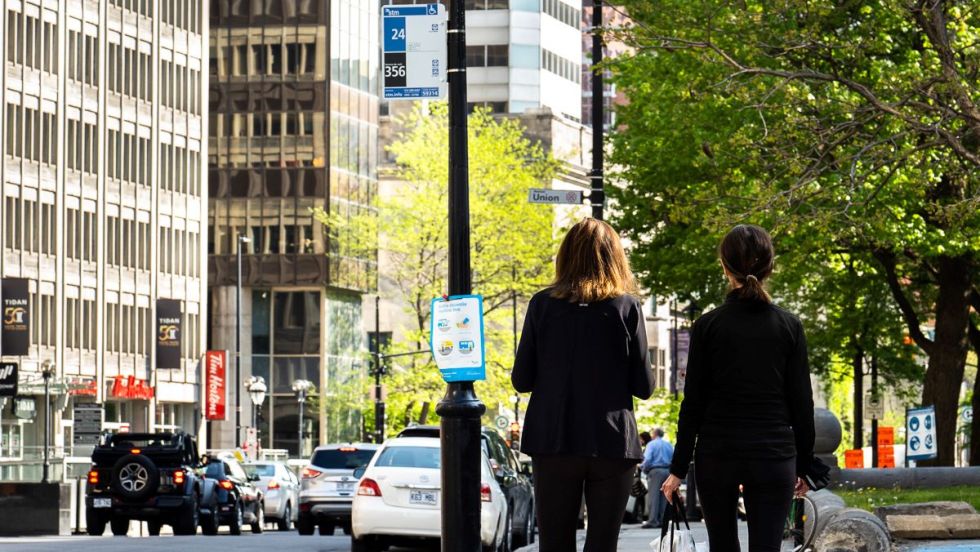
(398, 499)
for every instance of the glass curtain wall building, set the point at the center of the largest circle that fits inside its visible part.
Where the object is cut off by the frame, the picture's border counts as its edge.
(293, 126)
(103, 208)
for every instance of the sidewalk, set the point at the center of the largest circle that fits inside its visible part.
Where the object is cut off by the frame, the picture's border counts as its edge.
(633, 538)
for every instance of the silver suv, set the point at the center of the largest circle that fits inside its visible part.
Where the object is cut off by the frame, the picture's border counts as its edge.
(327, 486)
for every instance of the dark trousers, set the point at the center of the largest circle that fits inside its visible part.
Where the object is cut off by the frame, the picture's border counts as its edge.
(767, 488)
(560, 481)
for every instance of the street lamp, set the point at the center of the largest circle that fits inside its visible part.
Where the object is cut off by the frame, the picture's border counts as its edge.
(301, 387)
(256, 391)
(47, 372)
(242, 239)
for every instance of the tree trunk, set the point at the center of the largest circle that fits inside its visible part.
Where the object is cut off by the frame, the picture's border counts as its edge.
(857, 361)
(947, 360)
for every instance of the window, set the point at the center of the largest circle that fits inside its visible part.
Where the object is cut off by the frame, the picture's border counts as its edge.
(562, 12)
(82, 141)
(560, 66)
(487, 4)
(47, 229)
(497, 55)
(476, 56)
(32, 42)
(13, 224)
(43, 322)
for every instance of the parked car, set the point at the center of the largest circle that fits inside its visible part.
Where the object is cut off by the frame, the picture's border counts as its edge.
(327, 486)
(398, 499)
(150, 477)
(513, 477)
(239, 500)
(280, 492)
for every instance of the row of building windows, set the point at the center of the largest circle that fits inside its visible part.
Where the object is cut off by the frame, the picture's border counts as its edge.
(486, 4)
(128, 243)
(180, 87)
(142, 7)
(43, 310)
(83, 146)
(80, 324)
(32, 42)
(561, 11)
(560, 66)
(27, 228)
(273, 239)
(289, 123)
(172, 242)
(128, 328)
(81, 232)
(174, 174)
(31, 134)
(129, 157)
(130, 72)
(185, 14)
(83, 57)
(286, 58)
(493, 55)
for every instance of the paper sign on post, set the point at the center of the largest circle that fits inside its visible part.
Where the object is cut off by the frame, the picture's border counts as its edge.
(456, 338)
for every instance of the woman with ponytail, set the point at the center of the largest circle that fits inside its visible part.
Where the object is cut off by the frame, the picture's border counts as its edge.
(747, 413)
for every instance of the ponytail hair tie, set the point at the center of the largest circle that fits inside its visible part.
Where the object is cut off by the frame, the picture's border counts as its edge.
(752, 278)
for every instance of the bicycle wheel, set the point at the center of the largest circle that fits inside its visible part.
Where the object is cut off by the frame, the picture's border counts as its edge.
(801, 524)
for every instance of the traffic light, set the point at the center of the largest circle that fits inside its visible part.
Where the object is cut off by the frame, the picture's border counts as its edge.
(515, 435)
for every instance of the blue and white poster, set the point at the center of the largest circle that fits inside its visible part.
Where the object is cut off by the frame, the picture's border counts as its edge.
(456, 337)
(920, 433)
(413, 57)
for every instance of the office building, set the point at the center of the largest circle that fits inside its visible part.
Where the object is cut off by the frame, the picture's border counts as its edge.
(103, 209)
(293, 127)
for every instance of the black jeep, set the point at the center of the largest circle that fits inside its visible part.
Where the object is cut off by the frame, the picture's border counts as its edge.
(150, 477)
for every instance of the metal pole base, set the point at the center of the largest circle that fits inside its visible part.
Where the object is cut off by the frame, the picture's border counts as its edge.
(460, 411)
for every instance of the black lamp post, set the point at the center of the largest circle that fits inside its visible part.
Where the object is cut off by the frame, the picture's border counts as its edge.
(47, 372)
(242, 240)
(256, 391)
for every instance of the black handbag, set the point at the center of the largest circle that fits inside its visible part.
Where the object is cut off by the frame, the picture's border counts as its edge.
(817, 474)
(639, 490)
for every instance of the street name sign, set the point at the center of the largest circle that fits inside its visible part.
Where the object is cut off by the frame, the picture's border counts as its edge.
(456, 337)
(554, 197)
(920, 433)
(414, 52)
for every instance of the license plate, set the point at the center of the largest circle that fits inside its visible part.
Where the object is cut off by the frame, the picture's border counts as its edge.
(102, 503)
(345, 486)
(424, 498)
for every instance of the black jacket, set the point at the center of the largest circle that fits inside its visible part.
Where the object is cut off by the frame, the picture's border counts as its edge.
(582, 363)
(747, 393)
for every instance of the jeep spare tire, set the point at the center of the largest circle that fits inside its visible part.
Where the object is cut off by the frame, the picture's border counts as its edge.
(135, 477)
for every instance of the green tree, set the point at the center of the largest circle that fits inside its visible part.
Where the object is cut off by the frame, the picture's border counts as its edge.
(846, 128)
(512, 243)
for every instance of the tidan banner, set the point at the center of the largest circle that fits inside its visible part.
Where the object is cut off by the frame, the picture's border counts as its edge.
(16, 335)
(168, 334)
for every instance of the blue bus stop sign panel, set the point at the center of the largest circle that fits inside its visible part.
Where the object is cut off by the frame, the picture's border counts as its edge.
(413, 58)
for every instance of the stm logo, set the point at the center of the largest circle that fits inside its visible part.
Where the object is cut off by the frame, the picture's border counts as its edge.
(6, 370)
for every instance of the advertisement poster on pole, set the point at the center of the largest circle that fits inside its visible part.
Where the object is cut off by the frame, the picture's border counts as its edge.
(215, 385)
(920, 433)
(456, 338)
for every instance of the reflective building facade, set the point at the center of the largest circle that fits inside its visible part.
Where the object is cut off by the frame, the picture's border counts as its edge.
(293, 127)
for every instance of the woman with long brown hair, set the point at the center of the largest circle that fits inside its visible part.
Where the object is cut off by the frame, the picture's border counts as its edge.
(582, 356)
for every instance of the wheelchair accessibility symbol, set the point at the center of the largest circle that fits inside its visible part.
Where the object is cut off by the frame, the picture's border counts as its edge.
(433, 9)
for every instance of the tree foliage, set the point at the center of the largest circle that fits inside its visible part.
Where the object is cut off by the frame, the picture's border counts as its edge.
(511, 245)
(850, 129)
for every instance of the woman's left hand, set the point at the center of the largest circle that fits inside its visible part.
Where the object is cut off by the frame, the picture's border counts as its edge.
(670, 486)
(801, 488)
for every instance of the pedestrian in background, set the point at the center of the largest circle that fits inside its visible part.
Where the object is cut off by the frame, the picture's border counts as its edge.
(656, 466)
(582, 356)
(747, 413)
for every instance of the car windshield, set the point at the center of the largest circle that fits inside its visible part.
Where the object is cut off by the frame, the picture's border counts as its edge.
(409, 457)
(342, 459)
(262, 470)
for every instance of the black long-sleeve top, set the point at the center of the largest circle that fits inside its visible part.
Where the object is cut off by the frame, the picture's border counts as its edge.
(747, 392)
(582, 363)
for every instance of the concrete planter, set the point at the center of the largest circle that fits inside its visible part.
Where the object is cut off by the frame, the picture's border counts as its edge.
(35, 509)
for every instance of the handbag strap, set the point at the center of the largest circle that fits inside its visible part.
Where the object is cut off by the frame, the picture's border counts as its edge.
(679, 511)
